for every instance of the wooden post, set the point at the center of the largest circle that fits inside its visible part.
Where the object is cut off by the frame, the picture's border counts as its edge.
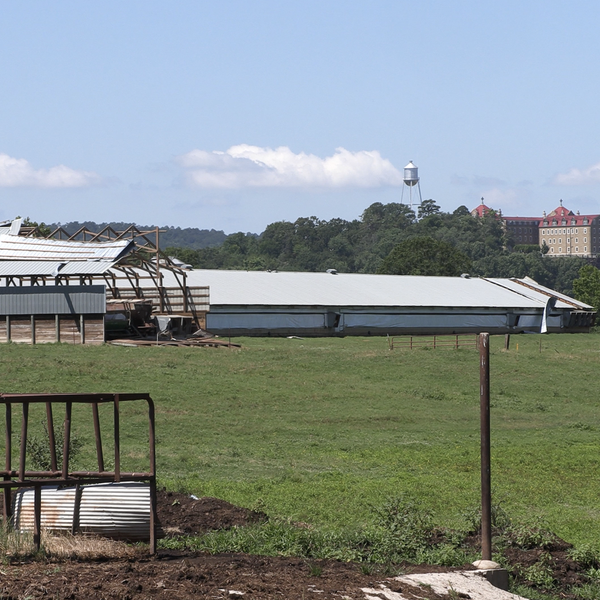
(507, 341)
(57, 327)
(32, 329)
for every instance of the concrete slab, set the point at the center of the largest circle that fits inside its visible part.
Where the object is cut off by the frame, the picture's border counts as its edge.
(471, 583)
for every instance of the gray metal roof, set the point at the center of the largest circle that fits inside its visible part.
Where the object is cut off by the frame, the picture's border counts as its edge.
(13, 247)
(52, 268)
(260, 288)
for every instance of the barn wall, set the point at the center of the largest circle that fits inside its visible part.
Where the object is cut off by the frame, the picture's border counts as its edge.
(42, 329)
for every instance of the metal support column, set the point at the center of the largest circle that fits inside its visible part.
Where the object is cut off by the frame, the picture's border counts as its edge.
(484, 406)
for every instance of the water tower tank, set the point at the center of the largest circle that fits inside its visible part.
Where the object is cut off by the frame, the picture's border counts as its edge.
(411, 174)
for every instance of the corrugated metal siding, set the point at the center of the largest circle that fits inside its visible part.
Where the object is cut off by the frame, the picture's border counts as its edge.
(23, 248)
(117, 510)
(53, 300)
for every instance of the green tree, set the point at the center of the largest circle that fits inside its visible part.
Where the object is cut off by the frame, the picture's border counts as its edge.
(425, 256)
(587, 286)
(428, 207)
(40, 229)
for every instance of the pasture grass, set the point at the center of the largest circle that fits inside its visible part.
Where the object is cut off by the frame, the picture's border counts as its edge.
(324, 431)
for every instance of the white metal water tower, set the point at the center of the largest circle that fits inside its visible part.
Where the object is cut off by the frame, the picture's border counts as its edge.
(411, 178)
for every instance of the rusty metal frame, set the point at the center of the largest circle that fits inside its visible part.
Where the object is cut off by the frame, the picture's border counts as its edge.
(60, 474)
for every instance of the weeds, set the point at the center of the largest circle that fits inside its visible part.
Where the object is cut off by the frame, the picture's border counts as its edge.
(14, 544)
(587, 556)
(541, 574)
(38, 448)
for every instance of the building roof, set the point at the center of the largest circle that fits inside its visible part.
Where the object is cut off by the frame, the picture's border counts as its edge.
(53, 268)
(13, 247)
(572, 219)
(262, 288)
(481, 210)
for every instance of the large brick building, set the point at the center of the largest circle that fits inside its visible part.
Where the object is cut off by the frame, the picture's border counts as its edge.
(521, 230)
(569, 234)
(564, 232)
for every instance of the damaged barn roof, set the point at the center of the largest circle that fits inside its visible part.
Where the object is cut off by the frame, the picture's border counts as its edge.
(17, 248)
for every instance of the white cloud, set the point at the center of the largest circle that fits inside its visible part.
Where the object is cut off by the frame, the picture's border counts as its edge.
(18, 172)
(250, 166)
(579, 176)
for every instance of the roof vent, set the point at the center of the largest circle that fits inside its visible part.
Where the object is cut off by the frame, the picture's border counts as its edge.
(332, 271)
(466, 276)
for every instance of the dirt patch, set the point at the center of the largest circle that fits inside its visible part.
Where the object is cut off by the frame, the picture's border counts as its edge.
(182, 514)
(173, 575)
(185, 575)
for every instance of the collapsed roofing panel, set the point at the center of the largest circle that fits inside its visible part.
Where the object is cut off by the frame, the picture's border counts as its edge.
(14, 247)
(47, 268)
(532, 289)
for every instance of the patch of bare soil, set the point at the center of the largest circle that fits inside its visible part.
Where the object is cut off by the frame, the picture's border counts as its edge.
(185, 575)
(180, 514)
(546, 565)
(173, 575)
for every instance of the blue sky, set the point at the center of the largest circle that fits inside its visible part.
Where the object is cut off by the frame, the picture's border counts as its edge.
(234, 114)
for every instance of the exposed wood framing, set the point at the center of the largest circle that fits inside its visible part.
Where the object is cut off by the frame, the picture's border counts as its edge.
(123, 280)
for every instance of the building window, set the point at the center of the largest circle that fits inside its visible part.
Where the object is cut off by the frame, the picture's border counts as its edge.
(576, 248)
(560, 250)
(585, 230)
(584, 240)
(585, 248)
(551, 249)
(577, 239)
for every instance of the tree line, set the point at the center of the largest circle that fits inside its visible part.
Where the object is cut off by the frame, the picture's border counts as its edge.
(389, 238)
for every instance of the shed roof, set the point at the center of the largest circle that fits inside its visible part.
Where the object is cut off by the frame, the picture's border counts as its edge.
(262, 288)
(52, 268)
(14, 247)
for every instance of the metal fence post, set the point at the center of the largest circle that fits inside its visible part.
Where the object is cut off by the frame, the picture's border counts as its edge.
(484, 405)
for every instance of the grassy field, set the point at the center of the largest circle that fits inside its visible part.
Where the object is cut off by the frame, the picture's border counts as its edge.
(323, 430)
